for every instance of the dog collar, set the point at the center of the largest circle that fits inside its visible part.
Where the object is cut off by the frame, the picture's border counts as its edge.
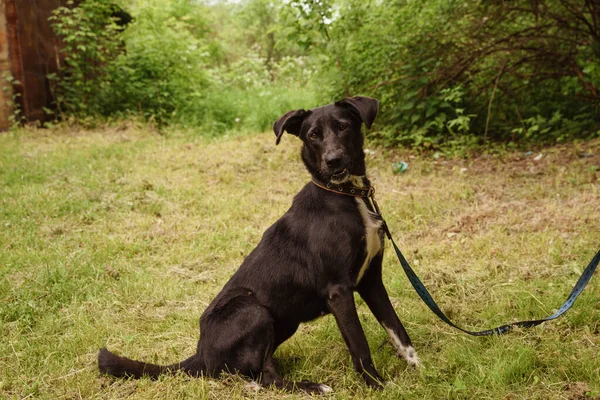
(346, 189)
(367, 193)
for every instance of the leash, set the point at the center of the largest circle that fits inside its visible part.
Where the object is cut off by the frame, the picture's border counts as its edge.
(428, 300)
(368, 193)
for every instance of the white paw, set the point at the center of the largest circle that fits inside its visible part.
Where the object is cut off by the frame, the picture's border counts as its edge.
(411, 357)
(253, 386)
(325, 388)
(402, 351)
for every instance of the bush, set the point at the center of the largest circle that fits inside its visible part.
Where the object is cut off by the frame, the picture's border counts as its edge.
(445, 71)
(89, 37)
(165, 67)
(446, 68)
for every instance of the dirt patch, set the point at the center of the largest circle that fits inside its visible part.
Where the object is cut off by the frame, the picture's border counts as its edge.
(579, 391)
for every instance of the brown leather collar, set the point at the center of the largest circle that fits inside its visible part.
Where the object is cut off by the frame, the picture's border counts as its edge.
(346, 189)
(367, 193)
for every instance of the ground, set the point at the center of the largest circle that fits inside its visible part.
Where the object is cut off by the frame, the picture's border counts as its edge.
(120, 237)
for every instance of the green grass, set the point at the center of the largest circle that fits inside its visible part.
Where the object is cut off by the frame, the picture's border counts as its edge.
(121, 237)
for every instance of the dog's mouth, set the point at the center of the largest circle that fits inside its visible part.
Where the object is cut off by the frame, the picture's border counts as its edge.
(339, 175)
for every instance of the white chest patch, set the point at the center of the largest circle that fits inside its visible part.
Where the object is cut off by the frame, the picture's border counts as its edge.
(373, 243)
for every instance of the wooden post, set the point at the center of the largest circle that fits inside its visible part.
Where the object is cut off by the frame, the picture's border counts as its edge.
(6, 93)
(28, 53)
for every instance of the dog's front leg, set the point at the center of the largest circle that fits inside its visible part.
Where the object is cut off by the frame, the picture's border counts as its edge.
(373, 292)
(341, 304)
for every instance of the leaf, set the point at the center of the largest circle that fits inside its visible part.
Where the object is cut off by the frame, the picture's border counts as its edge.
(459, 384)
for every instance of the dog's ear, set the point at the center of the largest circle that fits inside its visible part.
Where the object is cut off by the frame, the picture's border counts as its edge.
(291, 122)
(364, 107)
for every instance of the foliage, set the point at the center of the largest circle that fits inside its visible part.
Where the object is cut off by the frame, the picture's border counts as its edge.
(516, 71)
(163, 71)
(6, 82)
(88, 34)
(508, 64)
(167, 66)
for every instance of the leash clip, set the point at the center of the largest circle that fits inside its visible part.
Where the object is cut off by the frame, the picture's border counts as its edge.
(378, 211)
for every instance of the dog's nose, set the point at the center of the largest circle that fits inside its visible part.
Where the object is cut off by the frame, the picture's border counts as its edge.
(334, 161)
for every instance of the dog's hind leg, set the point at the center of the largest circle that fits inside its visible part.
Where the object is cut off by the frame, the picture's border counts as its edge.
(373, 292)
(270, 377)
(239, 336)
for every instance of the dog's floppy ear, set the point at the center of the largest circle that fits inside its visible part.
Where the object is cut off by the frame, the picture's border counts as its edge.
(365, 107)
(290, 122)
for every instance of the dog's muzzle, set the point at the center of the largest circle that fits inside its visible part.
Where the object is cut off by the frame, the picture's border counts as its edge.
(337, 168)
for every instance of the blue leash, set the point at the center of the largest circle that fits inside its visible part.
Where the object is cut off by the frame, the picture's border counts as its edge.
(426, 297)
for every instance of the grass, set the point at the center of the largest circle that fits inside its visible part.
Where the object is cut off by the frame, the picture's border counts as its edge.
(121, 237)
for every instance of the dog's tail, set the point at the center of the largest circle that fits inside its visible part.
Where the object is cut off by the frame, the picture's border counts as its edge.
(118, 366)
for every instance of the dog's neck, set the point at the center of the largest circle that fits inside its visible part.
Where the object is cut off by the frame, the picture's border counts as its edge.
(355, 186)
(357, 181)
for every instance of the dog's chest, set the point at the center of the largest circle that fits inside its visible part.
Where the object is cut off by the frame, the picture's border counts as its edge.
(373, 237)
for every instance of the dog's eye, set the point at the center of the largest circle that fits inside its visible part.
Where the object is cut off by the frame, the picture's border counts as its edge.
(342, 127)
(313, 135)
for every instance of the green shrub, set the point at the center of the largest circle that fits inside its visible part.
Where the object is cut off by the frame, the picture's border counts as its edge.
(445, 68)
(90, 44)
(165, 67)
(445, 71)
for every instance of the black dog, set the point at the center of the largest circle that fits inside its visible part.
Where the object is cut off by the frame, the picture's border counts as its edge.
(329, 244)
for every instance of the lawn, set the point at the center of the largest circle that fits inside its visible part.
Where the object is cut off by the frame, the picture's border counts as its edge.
(121, 237)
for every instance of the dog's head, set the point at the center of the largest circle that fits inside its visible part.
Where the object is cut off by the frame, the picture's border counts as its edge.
(332, 137)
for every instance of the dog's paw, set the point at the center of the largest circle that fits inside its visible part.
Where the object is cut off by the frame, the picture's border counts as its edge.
(373, 380)
(325, 389)
(375, 385)
(314, 388)
(407, 352)
(252, 386)
(410, 355)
